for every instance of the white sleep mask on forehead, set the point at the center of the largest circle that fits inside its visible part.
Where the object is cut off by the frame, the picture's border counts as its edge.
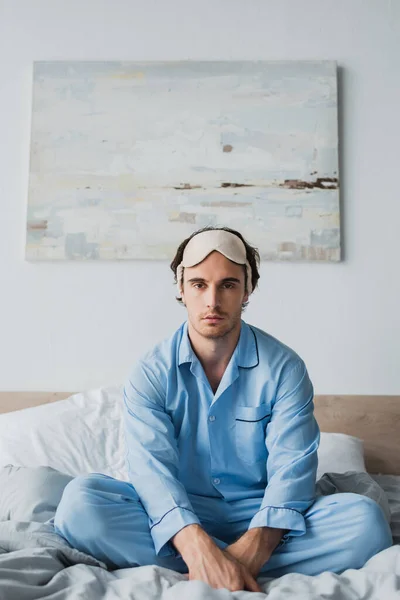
(202, 244)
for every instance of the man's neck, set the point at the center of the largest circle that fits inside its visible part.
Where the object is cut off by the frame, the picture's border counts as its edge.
(214, 354)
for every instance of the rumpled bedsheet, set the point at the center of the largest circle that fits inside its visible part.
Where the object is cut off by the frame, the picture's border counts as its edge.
(35, 563)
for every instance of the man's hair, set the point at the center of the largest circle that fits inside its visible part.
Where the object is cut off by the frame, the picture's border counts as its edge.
(252, 256)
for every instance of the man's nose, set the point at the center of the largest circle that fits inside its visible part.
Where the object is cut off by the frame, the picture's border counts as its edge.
(212, 298)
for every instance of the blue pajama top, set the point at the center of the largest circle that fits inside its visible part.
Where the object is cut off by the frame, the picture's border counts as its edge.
(256, 437)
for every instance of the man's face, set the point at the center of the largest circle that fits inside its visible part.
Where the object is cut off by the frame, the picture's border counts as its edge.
(213, 292)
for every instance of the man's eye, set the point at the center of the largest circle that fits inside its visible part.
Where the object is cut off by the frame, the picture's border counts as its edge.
(198, 285)
(228, 286)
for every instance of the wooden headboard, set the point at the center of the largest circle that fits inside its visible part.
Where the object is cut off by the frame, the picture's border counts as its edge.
(374, 419)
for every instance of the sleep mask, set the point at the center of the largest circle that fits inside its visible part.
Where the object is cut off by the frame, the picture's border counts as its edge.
(224, 242)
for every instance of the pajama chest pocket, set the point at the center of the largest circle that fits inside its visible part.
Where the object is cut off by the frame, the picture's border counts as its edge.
(251, 422)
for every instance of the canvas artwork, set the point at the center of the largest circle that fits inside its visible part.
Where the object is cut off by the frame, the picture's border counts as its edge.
(128, 159)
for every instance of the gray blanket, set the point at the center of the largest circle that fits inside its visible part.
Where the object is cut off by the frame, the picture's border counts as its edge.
(35, 562)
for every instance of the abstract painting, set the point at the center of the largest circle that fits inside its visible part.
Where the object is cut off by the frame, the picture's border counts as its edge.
(127, 159)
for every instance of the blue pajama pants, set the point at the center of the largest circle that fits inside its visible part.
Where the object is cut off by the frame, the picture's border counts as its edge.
(104, 517)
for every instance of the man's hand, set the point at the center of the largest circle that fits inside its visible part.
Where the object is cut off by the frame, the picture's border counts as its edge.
(206, 562)
(255, 547)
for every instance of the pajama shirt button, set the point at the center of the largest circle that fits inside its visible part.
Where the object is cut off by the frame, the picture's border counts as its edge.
(217, 481)
(212, 418)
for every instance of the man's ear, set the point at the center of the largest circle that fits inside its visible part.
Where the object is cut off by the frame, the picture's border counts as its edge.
(183, 295)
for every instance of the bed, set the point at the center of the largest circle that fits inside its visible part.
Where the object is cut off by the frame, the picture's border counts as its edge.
(46, 438)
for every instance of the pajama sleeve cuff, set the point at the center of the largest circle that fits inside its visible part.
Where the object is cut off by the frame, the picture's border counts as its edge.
(173, 521)
(280, 518)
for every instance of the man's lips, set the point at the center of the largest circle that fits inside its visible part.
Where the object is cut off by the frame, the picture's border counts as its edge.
(213, 318)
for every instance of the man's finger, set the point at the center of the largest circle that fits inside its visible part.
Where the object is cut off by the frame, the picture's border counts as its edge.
(251, 583)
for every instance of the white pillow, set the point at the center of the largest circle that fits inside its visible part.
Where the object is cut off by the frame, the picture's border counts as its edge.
(81, 434)
(339, 452)
(84, 434)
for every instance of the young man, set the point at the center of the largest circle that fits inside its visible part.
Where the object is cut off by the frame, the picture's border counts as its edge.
(221, 448)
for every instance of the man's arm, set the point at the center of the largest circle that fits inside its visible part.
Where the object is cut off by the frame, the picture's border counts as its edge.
(153, 464)
(292, 441)
(153, 459)
(254, 548)
(206, 562)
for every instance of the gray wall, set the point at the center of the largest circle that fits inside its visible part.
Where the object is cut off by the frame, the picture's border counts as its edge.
(70, 326)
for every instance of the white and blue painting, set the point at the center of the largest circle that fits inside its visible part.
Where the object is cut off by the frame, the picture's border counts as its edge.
(127, 159)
